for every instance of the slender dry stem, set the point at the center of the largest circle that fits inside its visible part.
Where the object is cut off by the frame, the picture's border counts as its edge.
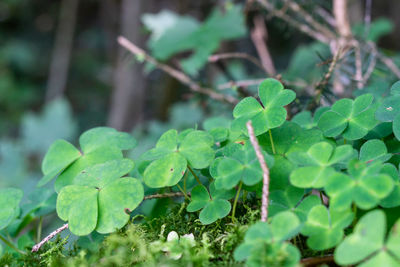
(259, 36)
(297, 24)
(217, 57)
(180, 76)
(164, 195)
(50, 236)
(264, 167)
(309, 19)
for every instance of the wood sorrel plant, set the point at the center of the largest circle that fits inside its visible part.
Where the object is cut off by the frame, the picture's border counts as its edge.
(332, 179)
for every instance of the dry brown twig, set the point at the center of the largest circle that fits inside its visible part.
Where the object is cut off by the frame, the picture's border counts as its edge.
(259, 36)
(295, 7)
(180, 76)
(36, 247)
(165, 195)
(358, 77)
(300, 26)
(217, 57)
(264, 167)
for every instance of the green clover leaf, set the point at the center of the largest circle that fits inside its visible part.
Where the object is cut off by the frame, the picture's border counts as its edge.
(218, 127)
(374, 150)
(105, 136)
(98, 145)
(239, 163)
(173, 153)
(270, 114)
(98, 156)
(365, 185)
(393, 199)
(389, 110)
(318, 161)
(305, 120)
(292, 199)
(213, 205)
(288, 138)
(59, 156)
(283, 226)
(9, 205)
(99, 199)
(325, 227)
(367, 245)
(351, 118)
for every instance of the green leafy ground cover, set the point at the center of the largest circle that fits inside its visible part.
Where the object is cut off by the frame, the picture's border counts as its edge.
(194, 199)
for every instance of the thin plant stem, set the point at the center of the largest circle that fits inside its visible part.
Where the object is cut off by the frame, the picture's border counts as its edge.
(184, 183)
(183, 192)
(164, 195)
(272, 142)
(194, 175)
(11, 245)
(47, 238)
(264, 167)
(236, 200)
(39, 230)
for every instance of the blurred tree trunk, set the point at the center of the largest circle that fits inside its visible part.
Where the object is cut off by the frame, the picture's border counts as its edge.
(128, 96)
(61, 55)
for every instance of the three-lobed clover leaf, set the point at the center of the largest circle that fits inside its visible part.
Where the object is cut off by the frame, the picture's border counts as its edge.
(292, 199)
(389, 110)
(325, 227)
(218, 127)
(9, 205)
(365, 185)
(214, 205)
(288, 138)
(263, 237)
(367, 244)
(393, 199)
(374, 150)
(317, 162)
(351, 118)
(99, 199)
(239, 163)
(98, 145)
(306, 120)
(173, 153)
(270, 114)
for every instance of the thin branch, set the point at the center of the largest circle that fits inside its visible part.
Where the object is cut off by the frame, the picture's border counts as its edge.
(326, 77)
(165, 195)
(340, 12)
(297, 24)
(358, 63)
(389, 63)
(217, 57)
(50, 236)
(309, 19)
(243, 83)
(259, 36)
(180, 76)
(326, 16)
(371, 65)
(264, 167)
(316, 261)
(367, 17)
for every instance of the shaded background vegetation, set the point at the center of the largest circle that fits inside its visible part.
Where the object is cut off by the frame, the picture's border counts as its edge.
(62, 70)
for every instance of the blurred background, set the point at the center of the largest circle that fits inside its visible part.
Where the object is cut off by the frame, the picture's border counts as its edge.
(62, 70)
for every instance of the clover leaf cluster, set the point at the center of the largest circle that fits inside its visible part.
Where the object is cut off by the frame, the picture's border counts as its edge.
(333, 175)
